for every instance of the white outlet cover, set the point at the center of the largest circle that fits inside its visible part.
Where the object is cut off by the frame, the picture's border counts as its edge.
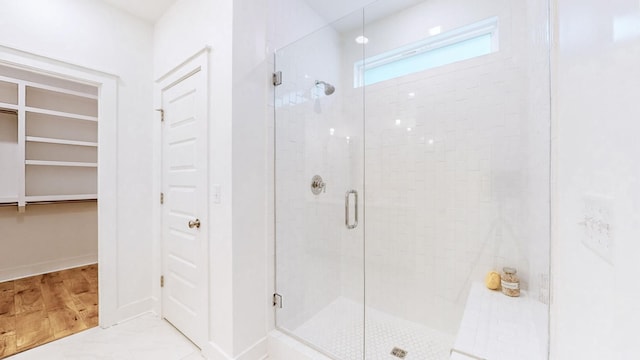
(597, 224)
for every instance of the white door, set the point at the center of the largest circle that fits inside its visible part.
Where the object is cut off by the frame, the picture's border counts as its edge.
(184, 212)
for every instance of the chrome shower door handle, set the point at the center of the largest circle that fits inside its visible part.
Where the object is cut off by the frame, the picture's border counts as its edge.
(347, 205)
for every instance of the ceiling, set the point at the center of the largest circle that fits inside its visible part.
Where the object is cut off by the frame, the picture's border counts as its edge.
(332, 10)
(150, 10)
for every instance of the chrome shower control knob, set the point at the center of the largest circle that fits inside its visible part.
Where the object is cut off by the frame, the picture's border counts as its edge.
(318, 185)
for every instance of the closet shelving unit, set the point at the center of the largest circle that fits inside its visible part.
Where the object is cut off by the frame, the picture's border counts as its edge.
(48, 142)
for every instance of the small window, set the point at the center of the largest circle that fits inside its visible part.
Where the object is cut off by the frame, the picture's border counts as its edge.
(464, 43)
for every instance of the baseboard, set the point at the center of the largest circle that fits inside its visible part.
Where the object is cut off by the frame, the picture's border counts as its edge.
(156, 305)
(211, 351)
(134, 309)
(257, 351)
(284, 347)
(46, 267)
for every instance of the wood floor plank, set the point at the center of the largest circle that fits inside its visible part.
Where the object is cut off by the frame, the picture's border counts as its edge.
(84, 294)
(7, 335)
(7, 298)
(7, 325)
(91, 274)
(76, 283)
(27, 283)
(32, 329)
(55, 294)
(89, 312)
(7, 345)
(65, 322)
(28, 296)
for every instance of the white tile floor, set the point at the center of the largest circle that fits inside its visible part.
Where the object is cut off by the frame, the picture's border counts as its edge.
(144, 338)
(337, 330)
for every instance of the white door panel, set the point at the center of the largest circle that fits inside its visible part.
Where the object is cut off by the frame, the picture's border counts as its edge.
(184, 183)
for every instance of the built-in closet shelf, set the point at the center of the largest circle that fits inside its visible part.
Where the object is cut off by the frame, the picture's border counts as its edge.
(8, 106)
(49, 88)
(54, 155)
(61, 114)
(61, 141)
(61, 197)
(61, 90)
(60, 163)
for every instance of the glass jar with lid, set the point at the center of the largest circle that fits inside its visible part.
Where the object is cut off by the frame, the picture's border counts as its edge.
(510, 282)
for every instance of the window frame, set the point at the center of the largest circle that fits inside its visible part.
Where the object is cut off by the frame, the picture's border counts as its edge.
(488, 26)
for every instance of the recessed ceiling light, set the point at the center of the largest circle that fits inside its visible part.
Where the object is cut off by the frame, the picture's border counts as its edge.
(435, 30)
(362, 40)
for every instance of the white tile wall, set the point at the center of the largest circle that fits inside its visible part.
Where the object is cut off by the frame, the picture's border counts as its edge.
(466, 190)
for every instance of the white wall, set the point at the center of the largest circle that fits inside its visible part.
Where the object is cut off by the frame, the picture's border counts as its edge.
(596, 306)
(96, 36)
(290, 20)
(236, 32)
(250, 182)
(186, 28)
(47, 238)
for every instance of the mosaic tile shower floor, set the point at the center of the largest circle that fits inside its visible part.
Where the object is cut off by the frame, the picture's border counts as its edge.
(338, 331)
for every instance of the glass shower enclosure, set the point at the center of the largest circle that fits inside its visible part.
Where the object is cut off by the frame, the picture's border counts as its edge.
(412, 143)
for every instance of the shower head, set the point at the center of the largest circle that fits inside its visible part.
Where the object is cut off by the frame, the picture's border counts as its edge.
(328, 88)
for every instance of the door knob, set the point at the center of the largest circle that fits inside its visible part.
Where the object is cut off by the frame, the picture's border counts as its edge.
(194, 224)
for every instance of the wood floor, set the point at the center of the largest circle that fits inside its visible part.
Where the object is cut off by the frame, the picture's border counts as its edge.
(43, 308)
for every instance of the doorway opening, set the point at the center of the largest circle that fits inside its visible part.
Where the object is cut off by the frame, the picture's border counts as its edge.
(58, 158)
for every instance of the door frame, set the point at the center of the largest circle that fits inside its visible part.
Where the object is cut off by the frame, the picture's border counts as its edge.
(107, 85)
(199, 62)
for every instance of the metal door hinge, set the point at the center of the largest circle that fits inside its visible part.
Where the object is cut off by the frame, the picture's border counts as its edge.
(161, 114)
(277, 300)
(161, 198)
(277, 78)
(162, 281)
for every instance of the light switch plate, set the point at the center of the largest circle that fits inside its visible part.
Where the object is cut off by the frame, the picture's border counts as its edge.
(216, 194)
(596, 222)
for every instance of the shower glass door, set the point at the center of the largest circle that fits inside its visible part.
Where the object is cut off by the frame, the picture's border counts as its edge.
(319, 191)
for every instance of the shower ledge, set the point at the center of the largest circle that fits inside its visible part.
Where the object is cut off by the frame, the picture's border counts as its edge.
(497, 327)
